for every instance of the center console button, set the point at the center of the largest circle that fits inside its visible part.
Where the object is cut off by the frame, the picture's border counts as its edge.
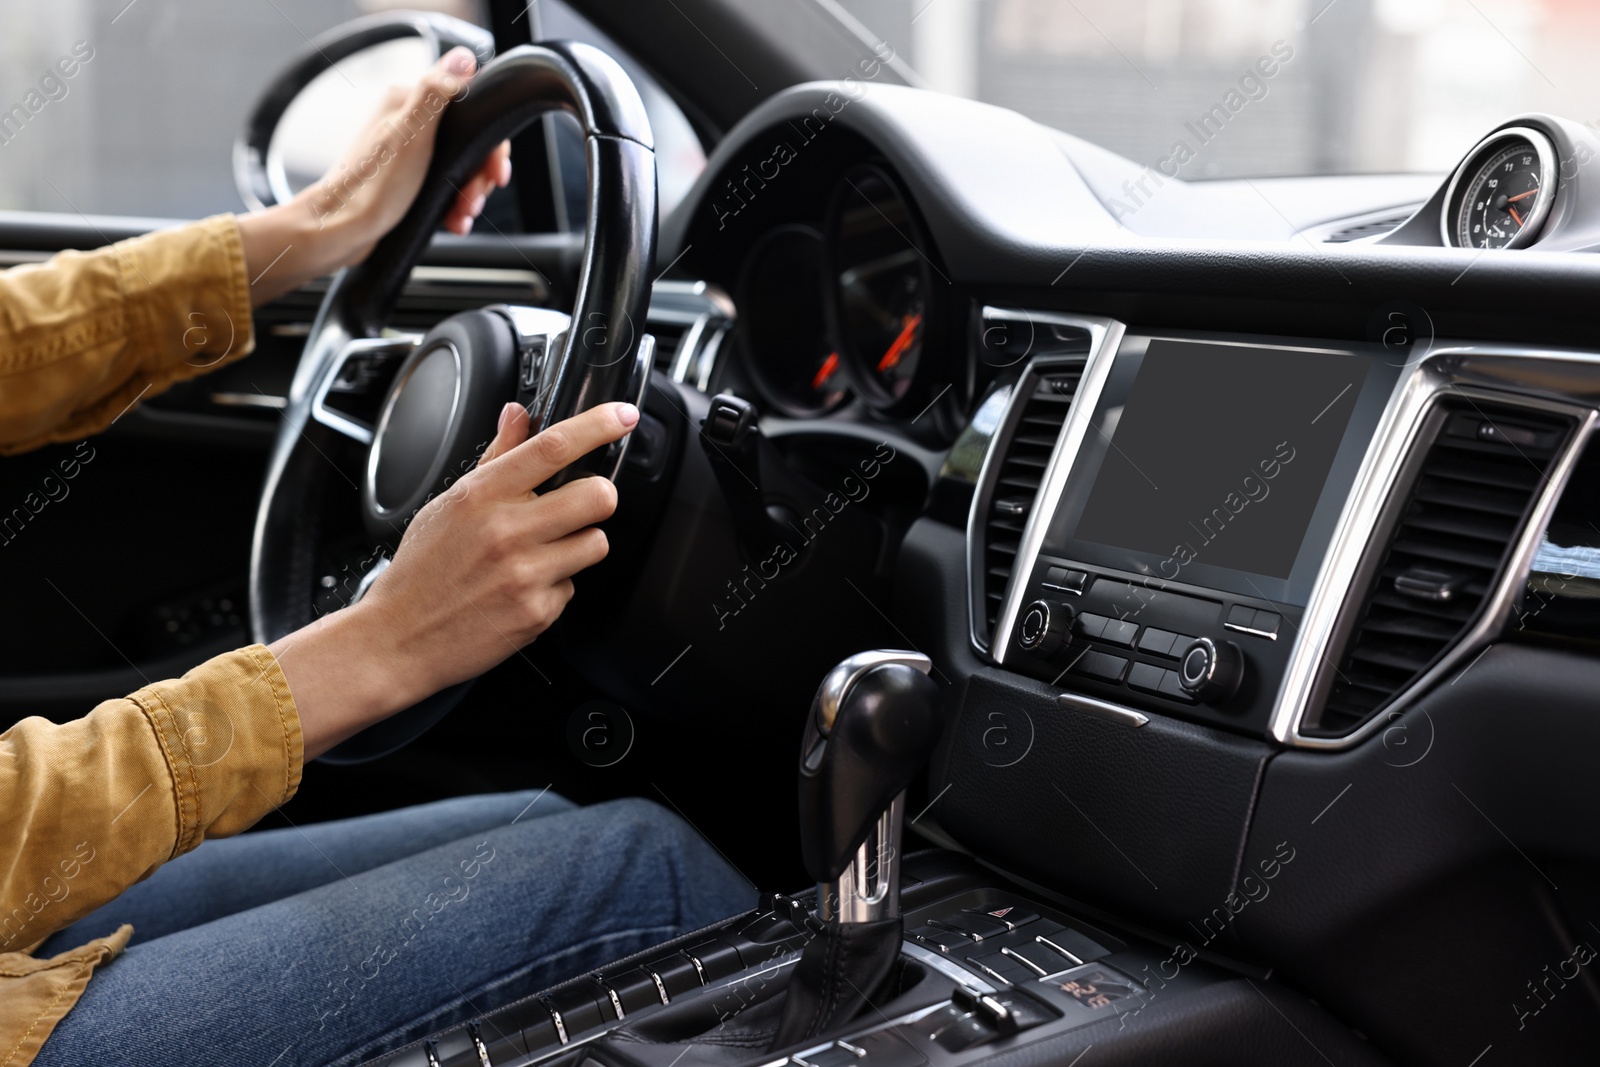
(1158, 642)
(976, 926)
(1146, 677)
(1101, 665)
(941, 938)
(1210, 671)
(1119, 632)
(1045, 627)
(716, 959)
(1090, 625)
(1009, 914)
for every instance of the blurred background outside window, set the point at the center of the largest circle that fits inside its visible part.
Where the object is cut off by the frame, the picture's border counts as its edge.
(1373, 86)
(145, 125)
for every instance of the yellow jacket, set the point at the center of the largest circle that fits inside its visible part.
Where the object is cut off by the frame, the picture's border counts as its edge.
(90, 807)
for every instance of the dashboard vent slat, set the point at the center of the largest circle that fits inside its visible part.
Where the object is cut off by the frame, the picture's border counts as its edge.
(1372, 227)
(1020, 464)
(1471, 493)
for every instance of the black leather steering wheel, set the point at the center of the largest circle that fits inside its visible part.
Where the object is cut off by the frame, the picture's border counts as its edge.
(445, 389)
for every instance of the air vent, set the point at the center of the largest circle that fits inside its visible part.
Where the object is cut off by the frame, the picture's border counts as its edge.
(1370, 227)
(689, 320)
(1018, 469)
(1468, 501)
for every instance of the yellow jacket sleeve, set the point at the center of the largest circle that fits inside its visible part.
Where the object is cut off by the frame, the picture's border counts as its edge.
(87, 335)
(92, 806)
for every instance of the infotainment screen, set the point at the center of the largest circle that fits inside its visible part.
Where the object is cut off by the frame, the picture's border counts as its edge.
(1219, 464)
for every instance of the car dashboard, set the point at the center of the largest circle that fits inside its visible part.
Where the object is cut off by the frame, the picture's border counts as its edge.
(1259, 516)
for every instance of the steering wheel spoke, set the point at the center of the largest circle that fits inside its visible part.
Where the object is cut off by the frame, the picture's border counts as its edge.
(352, 387)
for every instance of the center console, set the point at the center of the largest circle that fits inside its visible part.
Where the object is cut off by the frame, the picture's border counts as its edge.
(892, 961)
(1172, 559)
(987, 970)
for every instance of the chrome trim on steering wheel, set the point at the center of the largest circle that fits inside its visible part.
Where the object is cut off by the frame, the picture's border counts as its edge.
(355, 429)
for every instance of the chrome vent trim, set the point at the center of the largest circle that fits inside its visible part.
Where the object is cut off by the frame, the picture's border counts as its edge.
(1486, 373)
(690, 321)
(1103, 336)
(1445, 539)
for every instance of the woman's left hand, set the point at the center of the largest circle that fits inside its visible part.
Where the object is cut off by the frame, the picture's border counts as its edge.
(338, 220)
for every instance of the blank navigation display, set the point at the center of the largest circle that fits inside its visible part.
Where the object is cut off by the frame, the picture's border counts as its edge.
(1221, 454)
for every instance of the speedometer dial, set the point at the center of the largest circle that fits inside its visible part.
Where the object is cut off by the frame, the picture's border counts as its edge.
(1501, 196)
(882, 287)
(783, 324)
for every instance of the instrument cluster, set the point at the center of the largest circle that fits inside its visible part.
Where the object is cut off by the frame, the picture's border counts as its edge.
(845, 310)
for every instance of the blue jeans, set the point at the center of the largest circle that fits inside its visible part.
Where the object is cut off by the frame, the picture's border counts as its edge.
(336, 942)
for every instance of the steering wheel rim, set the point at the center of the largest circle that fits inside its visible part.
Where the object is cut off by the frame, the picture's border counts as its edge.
(591, 361)
(261, 184)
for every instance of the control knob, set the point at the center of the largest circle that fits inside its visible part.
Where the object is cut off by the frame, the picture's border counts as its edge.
(1210, 672)
(1045, 627)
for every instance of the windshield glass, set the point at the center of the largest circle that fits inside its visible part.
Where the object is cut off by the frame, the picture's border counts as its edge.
(1248, 88)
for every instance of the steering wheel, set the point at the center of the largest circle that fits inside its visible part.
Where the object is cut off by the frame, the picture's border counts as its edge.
(441, 393)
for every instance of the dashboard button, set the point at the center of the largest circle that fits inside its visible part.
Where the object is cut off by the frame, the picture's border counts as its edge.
(1009, 914)
(1242, 615)
(1170, 688)
(1267, 622)
(1004, 967)
(1090, 625)
(1120, 632)
(941, 938)
(1158, 642)
(1210, 670)
(977, 926)
(1147, 677)
(1045, 628)
(1101, 665)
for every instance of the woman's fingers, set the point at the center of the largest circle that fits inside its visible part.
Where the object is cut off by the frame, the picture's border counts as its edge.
(495, 173)
(577, 504)
(575, 552)
(533, 462)
(510, 432)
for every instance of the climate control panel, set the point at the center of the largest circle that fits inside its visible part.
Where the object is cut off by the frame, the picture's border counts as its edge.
(1136, 640)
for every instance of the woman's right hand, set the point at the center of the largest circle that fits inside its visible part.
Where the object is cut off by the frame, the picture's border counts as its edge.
(483, 569)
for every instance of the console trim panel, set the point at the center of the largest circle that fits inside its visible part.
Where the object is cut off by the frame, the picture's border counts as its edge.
(1462, 370)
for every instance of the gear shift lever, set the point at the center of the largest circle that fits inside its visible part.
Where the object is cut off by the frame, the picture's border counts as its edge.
(872, 727)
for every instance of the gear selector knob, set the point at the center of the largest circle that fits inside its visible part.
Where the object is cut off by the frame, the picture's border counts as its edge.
(873, 725)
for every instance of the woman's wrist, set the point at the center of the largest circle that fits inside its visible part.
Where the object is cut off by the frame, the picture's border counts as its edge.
(346, 671)
(288, 245)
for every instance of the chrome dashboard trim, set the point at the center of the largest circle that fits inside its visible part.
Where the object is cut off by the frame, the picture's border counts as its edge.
(975, 547)
(1437, 376)
(1105, 335)
(1103, 709)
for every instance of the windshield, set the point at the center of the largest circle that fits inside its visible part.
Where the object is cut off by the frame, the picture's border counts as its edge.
(1248, 88)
